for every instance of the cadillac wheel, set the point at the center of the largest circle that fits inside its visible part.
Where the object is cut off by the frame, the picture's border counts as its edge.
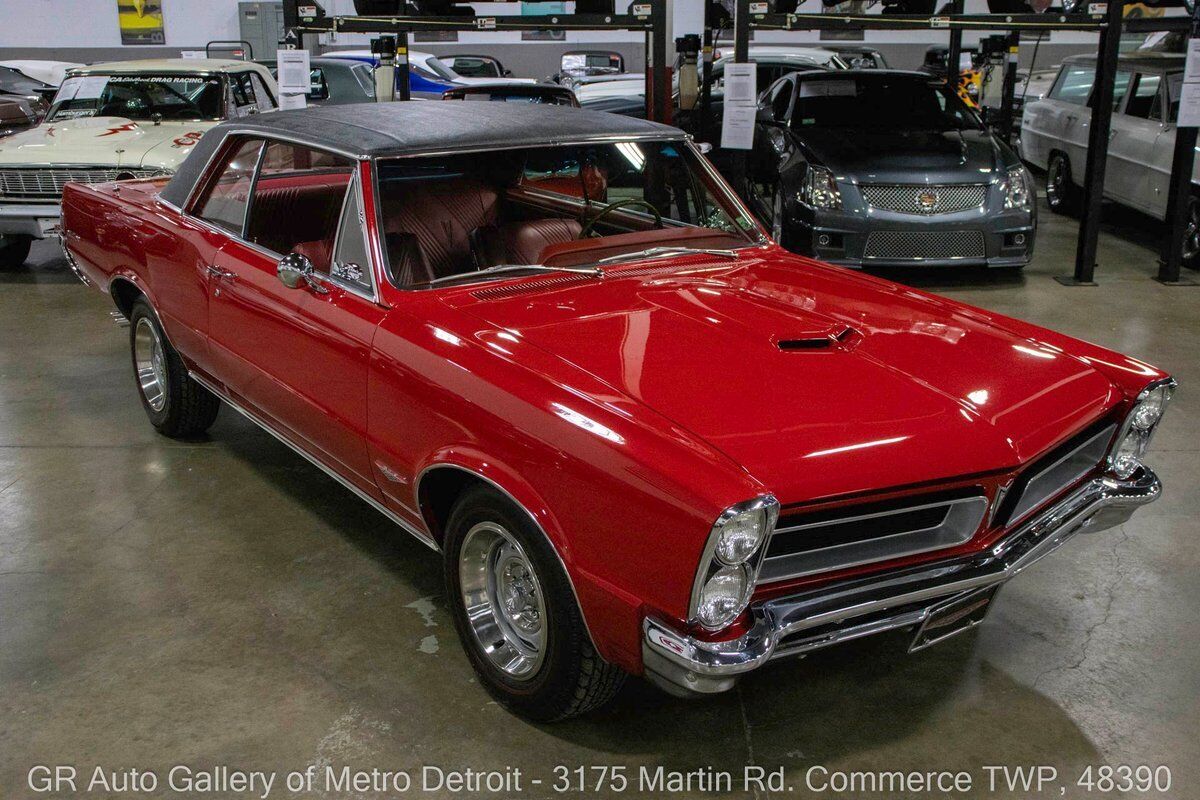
(177, 406)
(516, 614)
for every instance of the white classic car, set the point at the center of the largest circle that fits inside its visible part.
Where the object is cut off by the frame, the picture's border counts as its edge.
(111, 121)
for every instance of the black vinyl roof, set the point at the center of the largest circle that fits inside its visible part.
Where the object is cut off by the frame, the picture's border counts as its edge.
(371, 130)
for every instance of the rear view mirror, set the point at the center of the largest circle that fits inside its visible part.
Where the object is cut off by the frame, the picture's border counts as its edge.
(295, 269)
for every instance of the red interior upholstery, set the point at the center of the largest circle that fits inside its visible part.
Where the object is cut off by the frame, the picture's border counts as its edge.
(585, 251)
(287, 216)
(441, 215)
(523, 242)
(590, 177)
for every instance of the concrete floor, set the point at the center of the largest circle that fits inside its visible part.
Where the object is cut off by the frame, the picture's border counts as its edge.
(224, 603)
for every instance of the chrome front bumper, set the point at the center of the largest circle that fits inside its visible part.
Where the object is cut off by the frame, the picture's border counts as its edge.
(38, 220)
(822, 617)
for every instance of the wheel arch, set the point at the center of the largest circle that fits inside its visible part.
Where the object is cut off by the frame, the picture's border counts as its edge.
(440, 483)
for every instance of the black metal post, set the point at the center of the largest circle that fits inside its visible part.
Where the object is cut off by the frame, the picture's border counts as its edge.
(1097, 154)
(1179, 200)
(704, 122)
(1010, 86)
(403, 85)
(741, 55)
(660, 84)
(954, 55)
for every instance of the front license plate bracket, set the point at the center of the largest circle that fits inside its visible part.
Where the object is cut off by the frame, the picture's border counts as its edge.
(953, 616)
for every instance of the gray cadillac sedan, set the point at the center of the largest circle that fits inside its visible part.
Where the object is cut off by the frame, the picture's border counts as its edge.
(887, 168)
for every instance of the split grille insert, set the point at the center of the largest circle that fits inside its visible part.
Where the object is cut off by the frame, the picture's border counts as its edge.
(848, 537)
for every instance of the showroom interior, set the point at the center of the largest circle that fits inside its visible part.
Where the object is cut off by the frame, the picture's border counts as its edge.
(885, 303)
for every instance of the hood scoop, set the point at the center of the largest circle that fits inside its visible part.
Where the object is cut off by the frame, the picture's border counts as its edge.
(840, 337)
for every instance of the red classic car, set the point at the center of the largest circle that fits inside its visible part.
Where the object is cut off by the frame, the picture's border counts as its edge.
(553, 346)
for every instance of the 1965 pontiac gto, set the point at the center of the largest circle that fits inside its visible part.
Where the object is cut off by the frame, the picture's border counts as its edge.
(552, 345)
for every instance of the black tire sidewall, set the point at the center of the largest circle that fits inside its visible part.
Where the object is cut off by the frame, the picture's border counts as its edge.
(540, 696)
(1066, 193)
(159, 419)
(14, 251)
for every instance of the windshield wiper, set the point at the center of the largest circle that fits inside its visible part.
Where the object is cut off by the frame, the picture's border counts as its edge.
(658, 252)
(500, 269)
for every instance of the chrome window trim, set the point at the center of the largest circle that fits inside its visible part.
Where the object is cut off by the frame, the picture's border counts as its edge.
(354, 189)
(963, 518)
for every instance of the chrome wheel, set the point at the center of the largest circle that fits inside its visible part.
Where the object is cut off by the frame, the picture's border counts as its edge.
(503, 599)
(1191, 233)
(150, 362)
(1056, 182)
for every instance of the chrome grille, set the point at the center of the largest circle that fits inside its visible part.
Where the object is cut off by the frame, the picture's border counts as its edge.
(1064, 470)
(925, 245)
(826, 541)
(924, 199)
(38, 183)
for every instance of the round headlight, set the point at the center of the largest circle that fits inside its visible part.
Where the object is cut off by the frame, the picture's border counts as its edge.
(1127, 458)
(724, 596)
(1150, 410)
(741, 535)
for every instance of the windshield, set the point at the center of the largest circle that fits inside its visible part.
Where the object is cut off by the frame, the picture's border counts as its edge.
(881, 103)
(448, 218)
(140, 97)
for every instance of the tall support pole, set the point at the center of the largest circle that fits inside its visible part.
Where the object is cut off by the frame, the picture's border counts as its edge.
(403, 84)
(1179, 200)
(660, 83)
(704, 124)
(1097, 154)
(741, 55)
(954, 55)
(1010, 85)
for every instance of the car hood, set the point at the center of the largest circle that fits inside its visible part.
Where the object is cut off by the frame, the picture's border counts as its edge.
(935, 156)
(104, 141)
(818, 382)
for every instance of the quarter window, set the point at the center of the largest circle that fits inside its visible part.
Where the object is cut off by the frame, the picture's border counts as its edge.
(351, 264)
(225, 200)
(266, 101)
(298, 201)
(1145, 102)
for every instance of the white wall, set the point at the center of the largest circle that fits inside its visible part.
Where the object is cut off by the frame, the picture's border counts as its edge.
(93, 23)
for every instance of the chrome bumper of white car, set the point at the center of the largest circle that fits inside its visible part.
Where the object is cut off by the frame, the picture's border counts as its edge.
(822, 617)
(39, 220)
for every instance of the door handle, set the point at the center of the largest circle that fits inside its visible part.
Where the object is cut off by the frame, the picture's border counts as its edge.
(216, 272)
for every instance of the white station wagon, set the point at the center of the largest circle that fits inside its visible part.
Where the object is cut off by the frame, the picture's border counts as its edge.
(128, 119)
(1054, 137)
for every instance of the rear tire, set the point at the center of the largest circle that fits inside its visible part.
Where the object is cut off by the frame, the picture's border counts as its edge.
(177, 405)
(1191, 234)
(14, 251)
(525, 636)
(1062, 195)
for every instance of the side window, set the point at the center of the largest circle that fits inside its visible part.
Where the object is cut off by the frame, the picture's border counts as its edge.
(1074, 85)
(1120, 87)
(224, 201)
(781, 101)
(1145, 101)
(1174, 89)
(298, 201)
(351, 264)
(265, 101)
(318, 87)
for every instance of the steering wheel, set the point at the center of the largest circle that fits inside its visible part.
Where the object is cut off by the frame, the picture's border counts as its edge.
(611, 207)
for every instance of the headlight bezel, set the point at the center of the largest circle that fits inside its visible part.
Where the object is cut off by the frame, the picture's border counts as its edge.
(1017, 188)
(711, 562)
(826, 196)
(1137, 432)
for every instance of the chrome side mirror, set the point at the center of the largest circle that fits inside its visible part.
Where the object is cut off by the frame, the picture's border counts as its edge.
(295, 269)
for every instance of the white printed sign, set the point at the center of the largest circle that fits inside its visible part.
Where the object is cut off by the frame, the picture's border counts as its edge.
(741, 104)
(291, 102)
(1189, 95)
(295, 71)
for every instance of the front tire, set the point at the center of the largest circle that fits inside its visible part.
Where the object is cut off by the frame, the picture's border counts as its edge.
(1062, 195)
(14, 251)
(177, 406)
(1191, 235)
(516, 614)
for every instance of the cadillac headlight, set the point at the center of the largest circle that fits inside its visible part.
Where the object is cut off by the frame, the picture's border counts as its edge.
(1134, 439)
(819, 189)
(729, 566)
(1018, 189)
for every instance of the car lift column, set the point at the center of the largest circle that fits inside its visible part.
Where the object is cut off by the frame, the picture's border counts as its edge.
(1179, 200)
(1097, 153)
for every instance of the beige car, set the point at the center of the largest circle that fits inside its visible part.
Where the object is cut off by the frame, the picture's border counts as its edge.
(112, 121)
